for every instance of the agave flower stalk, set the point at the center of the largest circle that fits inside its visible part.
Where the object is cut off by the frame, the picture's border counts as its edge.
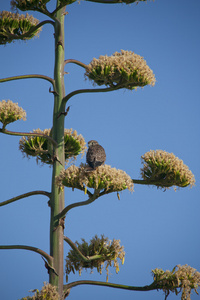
(57, 196)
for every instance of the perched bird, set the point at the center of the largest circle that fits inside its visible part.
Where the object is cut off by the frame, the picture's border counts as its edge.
(96, 155)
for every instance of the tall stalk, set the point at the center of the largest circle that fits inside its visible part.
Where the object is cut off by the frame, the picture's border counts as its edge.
(57, 196)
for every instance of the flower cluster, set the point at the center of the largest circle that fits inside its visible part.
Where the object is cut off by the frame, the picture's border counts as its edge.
(39, 5)
(10, 112)
(103, 178)
(165, 170)
(180, 279)
(100, 253)
(48, 291)
(42, 148)
(29, 4)
(122, 70)
(15, 26)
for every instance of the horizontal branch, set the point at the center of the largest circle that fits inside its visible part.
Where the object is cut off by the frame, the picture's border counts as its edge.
(77, 62)
(29, 248)
(51, 80)
(29, 134)
(24, 196)
(152, 182)
(81, 91)
(112, 285)
(140, 181)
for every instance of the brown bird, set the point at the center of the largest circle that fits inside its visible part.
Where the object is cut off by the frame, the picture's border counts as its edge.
(96, 155)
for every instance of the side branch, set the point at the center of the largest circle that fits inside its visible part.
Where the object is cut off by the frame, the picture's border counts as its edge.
(38, 26)
(51, 80)
(24, 196)
(30, 248)
(112, 285)
(141, 181)
(29, 134)
(160, 182)
(74, 61)
(77, 204)
(81, 91)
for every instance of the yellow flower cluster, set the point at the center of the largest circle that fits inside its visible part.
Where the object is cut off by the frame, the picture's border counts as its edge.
(104, 253)
(123, 69)
(103, 178)
(165, 169)
(42, 148)
(180, 279)
(10, 112)
(14, 26)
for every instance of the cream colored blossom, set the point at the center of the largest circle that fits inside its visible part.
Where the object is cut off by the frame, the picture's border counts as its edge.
(181, 279)
(10, 112)
(165, 170)
(103, 178)
(124, 70)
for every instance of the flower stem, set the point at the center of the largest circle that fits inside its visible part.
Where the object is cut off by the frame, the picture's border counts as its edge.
(5, 131)
(29, 76)
(112, 285)
(25, 196)
(30, 248)
(81, 91)
(77, 204)
(77, 62)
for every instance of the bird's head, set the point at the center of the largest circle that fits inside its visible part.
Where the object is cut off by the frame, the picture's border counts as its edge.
(92, 143)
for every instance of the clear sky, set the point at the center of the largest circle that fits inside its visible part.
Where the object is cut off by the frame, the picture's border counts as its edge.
(158, 229)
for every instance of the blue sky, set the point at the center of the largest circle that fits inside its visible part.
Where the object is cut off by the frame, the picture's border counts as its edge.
(158, 229)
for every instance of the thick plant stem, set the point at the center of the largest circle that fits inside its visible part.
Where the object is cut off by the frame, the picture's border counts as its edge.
(57, 196)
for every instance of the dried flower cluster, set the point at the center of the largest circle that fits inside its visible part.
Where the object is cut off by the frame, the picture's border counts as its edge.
(165, 170)
(103, 178)
(41, 147)
(101, 253)
(48, 292)
(13, 26)
(123, 70)
(180, 279)
(10, 112)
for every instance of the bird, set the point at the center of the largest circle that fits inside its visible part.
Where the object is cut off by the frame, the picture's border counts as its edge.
(96, 155)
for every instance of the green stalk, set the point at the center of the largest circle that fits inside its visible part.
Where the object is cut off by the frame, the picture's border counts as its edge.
(25, 196)
(145, 288)
(57, 196)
